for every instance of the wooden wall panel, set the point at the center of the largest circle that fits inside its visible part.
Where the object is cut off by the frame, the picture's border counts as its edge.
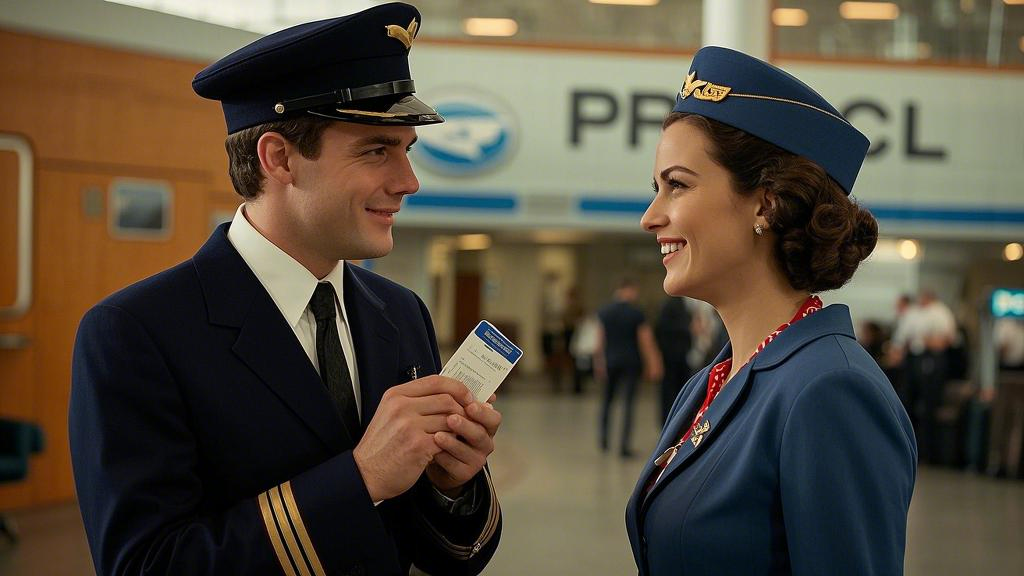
(8, 226)
(93, 115)
(100, 105)
(17, 382)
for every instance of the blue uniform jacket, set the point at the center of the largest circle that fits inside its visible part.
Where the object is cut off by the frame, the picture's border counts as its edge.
(806, 467)
(203, 441)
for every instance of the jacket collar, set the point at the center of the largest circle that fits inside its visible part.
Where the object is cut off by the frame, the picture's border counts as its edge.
(832, 320)
(266, 343)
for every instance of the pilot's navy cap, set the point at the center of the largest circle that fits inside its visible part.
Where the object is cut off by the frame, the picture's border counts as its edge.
(353, 68)
(760, 99)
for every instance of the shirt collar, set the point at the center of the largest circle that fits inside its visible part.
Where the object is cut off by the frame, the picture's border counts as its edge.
(289, 283)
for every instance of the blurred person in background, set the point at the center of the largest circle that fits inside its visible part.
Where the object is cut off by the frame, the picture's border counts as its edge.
(791, 454)
(921, 344)
(893, 359)
(553, 328)
(1009, 339)
(572, 318)
(871, 336)
(673, 332)
(624, 353)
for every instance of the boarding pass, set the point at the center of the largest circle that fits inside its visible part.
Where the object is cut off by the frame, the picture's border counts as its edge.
(483, 360)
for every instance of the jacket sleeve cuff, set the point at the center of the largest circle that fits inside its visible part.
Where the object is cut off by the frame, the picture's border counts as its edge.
(323, 521)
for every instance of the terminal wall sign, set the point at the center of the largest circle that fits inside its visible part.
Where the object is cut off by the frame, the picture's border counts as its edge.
(479, 134)
(1007, 303)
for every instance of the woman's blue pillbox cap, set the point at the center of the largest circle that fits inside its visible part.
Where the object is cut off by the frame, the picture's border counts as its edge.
(767, 102)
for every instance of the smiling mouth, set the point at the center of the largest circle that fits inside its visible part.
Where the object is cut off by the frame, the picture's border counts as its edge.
(384, 212)
(670, 247)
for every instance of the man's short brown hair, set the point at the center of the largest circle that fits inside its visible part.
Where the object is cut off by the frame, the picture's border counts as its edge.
(243, 162)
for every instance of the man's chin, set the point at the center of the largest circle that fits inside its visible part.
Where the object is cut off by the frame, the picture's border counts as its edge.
(377, 250)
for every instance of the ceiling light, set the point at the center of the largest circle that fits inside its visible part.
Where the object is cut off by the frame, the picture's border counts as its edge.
(789, 17)
(1013, 252)
(909, 249)
(490, 26)
(474, 242)
(869, 10)
(627, 2)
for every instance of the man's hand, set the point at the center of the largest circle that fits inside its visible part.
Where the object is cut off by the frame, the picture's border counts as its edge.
(465, 446)
(400, 439)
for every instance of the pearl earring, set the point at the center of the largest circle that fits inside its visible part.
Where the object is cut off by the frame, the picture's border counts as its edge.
(758, 229)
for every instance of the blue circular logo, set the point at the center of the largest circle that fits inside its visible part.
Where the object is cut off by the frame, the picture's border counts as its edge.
(478, 135)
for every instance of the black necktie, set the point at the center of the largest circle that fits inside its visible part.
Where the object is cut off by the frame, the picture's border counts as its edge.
(331, 358)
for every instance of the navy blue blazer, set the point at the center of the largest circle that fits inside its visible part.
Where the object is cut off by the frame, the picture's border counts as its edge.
(204, 442)
(807, 466)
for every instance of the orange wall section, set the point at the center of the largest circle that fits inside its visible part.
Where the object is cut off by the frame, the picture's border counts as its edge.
(92, 115)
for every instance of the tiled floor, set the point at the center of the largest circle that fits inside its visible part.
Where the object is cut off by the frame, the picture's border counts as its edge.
(563, 503)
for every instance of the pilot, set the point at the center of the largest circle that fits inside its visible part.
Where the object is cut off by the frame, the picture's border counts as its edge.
(267, 407)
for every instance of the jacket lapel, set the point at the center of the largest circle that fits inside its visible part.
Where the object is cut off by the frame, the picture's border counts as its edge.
(375, 339)
(676, 426)
(834, 319)
(265, 343)
(670, 435)
(714, 419)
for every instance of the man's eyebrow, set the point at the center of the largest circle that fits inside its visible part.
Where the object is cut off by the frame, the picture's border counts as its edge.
(381, 140)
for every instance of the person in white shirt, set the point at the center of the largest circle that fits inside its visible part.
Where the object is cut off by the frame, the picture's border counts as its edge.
(921, 341)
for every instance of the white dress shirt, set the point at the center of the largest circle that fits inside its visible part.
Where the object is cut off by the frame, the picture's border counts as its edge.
(291, 286)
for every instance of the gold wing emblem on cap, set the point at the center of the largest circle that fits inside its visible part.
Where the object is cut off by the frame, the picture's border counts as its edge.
(690, 84)
(404, 35)
(702, 89)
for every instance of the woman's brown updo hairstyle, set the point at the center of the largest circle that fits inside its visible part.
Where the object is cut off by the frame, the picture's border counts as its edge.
(822, 235)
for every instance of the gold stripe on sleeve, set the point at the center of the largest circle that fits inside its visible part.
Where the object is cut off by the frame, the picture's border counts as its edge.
(275, 536)
(300, 528)
(277, 502)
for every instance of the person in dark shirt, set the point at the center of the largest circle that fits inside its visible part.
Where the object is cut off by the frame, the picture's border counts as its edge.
(672, 331)
(625, 350)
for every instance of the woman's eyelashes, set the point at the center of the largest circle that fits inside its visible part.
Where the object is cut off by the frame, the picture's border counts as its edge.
(671, 184)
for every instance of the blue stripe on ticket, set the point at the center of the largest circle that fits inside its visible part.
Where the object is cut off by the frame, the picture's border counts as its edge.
(497, 341)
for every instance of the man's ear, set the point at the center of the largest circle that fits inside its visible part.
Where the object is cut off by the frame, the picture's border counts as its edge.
(274, 151)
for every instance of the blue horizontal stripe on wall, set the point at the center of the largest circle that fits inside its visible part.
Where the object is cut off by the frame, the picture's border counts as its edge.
(614, 206)
(963, 215)
(488, 201)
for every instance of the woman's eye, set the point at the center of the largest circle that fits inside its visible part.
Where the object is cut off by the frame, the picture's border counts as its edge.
(677, 185)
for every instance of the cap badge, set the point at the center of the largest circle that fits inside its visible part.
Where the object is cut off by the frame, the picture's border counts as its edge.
(404, 35)
(702, 89)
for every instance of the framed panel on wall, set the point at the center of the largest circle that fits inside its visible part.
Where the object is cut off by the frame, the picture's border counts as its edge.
(140, 209)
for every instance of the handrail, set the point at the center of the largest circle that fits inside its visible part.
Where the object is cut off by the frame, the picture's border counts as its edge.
(23, 297)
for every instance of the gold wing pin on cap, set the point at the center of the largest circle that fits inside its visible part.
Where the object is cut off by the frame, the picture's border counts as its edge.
(702, 89)
(404, 35)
